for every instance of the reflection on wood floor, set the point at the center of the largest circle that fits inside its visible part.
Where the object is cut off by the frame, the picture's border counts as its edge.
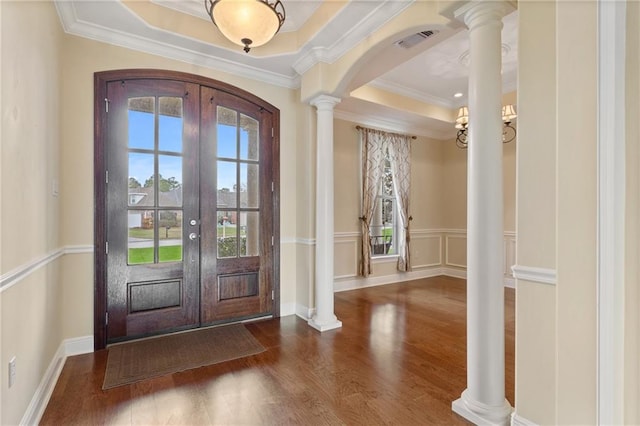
(399, 359)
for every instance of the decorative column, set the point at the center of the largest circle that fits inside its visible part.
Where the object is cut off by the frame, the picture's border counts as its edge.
(324, 319)
(483, 402)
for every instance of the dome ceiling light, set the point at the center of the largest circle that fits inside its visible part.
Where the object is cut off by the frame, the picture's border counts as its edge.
(248, 23)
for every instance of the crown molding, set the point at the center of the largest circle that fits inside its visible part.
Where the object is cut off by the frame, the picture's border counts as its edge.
(193, 55)
(411, 93)
(327, 45)
(363, 28)
(390, 125)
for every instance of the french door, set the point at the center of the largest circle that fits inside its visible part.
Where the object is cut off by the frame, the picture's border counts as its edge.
(186, 208)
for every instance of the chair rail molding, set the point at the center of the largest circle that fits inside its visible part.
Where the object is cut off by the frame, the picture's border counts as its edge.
(13, 277)
(534, 274)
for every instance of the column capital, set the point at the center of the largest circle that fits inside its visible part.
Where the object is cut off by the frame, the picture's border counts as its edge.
(479, 12)
(325, 102)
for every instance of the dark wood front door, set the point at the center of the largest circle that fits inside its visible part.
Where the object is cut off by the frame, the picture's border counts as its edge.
(236, 231)
(188, 198)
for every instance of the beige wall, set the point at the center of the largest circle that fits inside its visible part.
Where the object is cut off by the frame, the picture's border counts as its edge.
(31, 309)
(536, 209)
(576, 70)
(438, 203)
(556, 212)
(305, 203)
(425, 202)
(454, 197)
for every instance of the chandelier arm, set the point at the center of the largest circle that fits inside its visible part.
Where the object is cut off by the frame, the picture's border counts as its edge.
(462, 138)
(508, 132)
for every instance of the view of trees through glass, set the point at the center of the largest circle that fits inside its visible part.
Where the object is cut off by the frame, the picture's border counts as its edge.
(383, 224)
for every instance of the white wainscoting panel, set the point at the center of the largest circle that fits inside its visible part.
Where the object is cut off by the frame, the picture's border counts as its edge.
(345, 254)
(455, 249)
(426, 249)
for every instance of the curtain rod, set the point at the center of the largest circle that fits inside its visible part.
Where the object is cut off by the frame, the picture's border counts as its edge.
(365, 128)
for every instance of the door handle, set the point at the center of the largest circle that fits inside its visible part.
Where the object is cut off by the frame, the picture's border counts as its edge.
(193, 236)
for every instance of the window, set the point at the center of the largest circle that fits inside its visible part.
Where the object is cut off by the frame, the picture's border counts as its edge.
(384, 223)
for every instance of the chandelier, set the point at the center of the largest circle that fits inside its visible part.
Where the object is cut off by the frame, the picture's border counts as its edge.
(248, 23)
(462, 124)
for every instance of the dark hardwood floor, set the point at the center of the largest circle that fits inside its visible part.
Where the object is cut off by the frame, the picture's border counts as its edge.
(398, 359)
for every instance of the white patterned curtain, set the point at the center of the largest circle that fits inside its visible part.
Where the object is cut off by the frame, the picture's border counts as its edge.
(375, 144)
(373, 155)
(400, 158)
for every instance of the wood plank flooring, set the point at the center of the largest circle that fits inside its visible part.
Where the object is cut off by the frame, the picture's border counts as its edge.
(399, 358)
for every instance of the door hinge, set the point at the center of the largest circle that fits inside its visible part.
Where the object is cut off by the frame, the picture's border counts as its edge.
(273, 295)
(106, 318)
(272, 240)
(106, 104)
(106, 247)
(272, 132)
(106, 176)
(273, 186)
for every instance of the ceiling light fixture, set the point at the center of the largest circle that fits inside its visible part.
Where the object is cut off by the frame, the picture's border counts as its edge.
(457, 95)
(248, 23)
(462, 124)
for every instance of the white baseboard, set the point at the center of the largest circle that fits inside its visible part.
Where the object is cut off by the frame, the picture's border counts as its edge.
(509, 282)
(304, 312)
(40, 399)
(287, 309)
(517, 420)
(455, 273)
(357, 283)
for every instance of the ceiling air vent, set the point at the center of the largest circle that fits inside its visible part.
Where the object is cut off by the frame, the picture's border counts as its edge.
(410, 41)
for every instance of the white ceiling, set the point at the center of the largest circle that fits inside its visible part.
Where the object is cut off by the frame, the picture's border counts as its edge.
(433, 75)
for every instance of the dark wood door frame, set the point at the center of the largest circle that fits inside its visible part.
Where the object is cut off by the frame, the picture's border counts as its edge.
(101, 79)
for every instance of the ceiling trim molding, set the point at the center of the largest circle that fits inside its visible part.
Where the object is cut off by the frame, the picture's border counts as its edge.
(345, 42)
(327, 45)
(189, 8)
(391, 125)
(73, 25)
(411, 93)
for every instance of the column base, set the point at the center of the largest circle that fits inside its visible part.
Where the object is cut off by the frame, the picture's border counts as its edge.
(481, 414)
(324, 325)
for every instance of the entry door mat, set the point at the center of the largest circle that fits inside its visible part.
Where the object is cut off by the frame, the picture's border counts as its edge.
(134, 361)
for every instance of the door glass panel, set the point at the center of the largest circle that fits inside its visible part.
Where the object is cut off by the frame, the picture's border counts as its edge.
(170, 180)
(249, 234)
(140, 241)
(141, 122)
(227, 133)
(140, 179)
(170, 236)
(248, 138)
(227, 184)
(227, 234)
(170, 124)
(249, 186)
